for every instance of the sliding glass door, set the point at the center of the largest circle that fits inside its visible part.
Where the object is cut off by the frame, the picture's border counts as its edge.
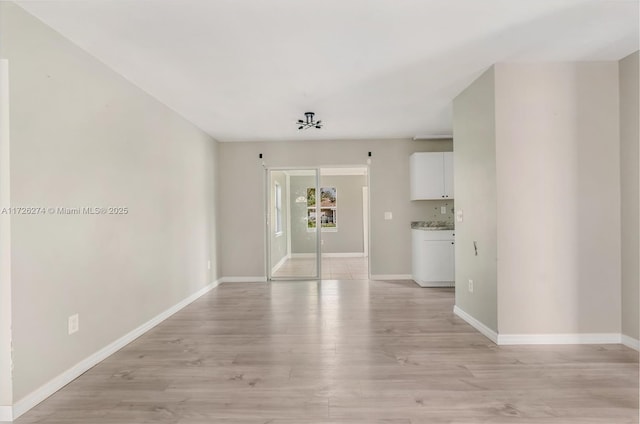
(293, 242)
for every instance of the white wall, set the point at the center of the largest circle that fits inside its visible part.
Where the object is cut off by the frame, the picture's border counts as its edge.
(537, 176)
(558, 192)
(630, 211)
(349, 237)
(83, 136)
(5, 242)
(475, 195)
(389, 191)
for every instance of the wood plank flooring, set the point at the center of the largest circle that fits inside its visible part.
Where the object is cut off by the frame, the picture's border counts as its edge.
(334, 352)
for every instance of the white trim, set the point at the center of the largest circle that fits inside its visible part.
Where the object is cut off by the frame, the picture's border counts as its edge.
(344, 255)
(329, 255)
(49, 388)
(6, 414)
(279, 264)
(567, 338)
(365, 221)
(391, 277)
(288, 210)
(277, 208)
(630, 342)
(262, 279)
(434, 283)
(542, 339)
(486, 331)
(303, 255)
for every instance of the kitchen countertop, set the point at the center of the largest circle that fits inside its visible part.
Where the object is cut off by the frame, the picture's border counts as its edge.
(432, 225)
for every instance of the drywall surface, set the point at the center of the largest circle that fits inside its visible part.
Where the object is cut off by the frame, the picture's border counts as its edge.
(83, 137)
(558, 192)
(349, 235)
(6, 396)
(242, 210)
(475, 191)
(630, 212)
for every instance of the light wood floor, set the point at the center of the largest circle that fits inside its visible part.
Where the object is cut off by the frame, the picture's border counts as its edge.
(332, 268)
(342, 352)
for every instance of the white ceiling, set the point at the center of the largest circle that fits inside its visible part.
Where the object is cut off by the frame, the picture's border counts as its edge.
(248, 69)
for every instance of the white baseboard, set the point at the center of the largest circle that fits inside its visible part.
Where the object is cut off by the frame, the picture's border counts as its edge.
(6, 413)
(279, 264)
(344, 255)
(630, 342)
(49, 388)
(567, 338)
(302, 255)
(435, 283)
(544, 339)
(262, 279)
(486, 331)
(391, 277)
(329, 255)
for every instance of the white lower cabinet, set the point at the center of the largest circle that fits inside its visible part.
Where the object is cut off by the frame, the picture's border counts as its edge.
(433, 258)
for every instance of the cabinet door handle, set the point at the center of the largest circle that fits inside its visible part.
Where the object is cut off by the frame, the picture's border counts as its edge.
(452, 242)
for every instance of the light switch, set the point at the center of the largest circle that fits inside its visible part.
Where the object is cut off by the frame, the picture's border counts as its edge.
(459, 215)
(73, 324)
(388, 215)
(443, 210)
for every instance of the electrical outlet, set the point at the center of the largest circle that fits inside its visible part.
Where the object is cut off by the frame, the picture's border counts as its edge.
(388, 215)
(470, 286)
(74, 324)
(208, 264)
(443, 210)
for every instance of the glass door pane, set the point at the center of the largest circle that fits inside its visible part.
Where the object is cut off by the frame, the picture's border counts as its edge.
(293, 233)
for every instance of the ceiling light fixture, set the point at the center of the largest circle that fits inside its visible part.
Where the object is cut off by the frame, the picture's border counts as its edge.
(308, 122)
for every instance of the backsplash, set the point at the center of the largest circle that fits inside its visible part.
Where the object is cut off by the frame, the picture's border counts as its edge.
(433, 211)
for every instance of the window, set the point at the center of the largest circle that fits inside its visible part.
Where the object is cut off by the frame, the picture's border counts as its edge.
(278, 207)
(328, 209)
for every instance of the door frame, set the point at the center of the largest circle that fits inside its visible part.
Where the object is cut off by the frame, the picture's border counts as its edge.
(267, 218)
(365, 220)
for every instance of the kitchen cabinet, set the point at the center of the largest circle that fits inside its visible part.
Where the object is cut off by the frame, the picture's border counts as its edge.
(433, 254)
(431, 175)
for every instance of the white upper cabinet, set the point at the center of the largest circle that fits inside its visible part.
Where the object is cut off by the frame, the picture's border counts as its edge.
(431, 175)
(448, 174)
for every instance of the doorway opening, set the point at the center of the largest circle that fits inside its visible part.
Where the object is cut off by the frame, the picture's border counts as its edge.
(318, 223)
